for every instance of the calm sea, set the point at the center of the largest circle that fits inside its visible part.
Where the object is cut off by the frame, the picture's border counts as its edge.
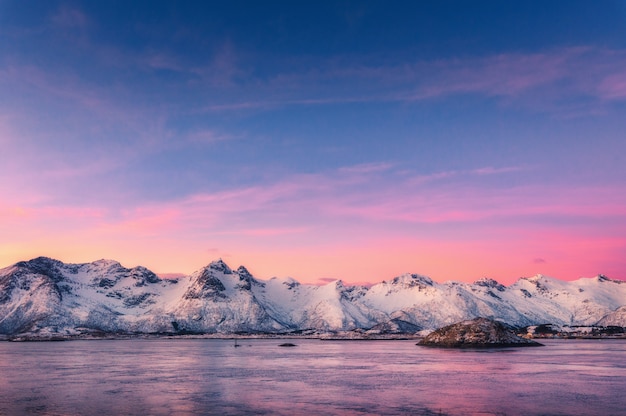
(179, 377)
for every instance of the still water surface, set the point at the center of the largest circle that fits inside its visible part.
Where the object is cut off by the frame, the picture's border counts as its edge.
(180, 377)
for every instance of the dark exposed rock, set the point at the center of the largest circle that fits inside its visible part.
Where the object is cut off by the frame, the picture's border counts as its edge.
(243, 273)
(5, 295)
(115, 295)
(134, 301)
(350, 293)
(220, 266)
(143, 276)
(44, 266)
(476, 333)
(526, 293)
(245, 278)
(291, 284)
(490, 283)
(207, 286)
(493, 295)
(106, 283)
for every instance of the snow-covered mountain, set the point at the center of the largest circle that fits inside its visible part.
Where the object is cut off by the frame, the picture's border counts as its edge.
(47, 297)
(615, 318)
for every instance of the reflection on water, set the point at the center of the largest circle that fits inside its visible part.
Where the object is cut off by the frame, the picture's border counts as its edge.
(163, 377)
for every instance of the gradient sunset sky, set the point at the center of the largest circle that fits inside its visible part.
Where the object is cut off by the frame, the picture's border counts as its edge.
(351, 140)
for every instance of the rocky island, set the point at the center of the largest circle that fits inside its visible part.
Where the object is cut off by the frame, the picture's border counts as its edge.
(476, 333)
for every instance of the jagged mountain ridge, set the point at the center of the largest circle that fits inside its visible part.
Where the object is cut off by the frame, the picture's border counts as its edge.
(45, 296)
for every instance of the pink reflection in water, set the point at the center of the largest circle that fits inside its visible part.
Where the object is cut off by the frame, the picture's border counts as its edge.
(317, 377)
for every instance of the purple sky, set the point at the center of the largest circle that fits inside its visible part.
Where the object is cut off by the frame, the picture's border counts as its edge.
(342, 140)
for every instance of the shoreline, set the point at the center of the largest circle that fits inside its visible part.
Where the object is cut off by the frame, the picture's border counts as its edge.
(321, 337)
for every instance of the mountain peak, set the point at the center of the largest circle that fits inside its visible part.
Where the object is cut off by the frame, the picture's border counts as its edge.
(486, 281)
(490, 283)
(290, 282)
(410, 280)
(143, 276)
(106, 262)
(602, 278)
(220, 266)
(245, 278)
(538, 279)
(43, 266)
(204, 284)
(105, 265)
(40, 261)
(339, 284)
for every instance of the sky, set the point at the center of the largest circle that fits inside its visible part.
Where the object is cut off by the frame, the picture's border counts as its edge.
(321, 140)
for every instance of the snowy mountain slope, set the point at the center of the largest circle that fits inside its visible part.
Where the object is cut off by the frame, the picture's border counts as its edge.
(527, 302)
(580, 302)
(103, 295)
(615, 318)
(45, 296)
(432, 305)
(218, 299)
(327, 307)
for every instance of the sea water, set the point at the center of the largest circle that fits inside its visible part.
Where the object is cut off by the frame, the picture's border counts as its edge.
(208, 376)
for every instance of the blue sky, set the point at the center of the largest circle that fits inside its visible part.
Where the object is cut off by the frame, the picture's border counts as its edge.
(351, 140)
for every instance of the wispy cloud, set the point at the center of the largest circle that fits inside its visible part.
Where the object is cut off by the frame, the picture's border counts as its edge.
(245, 105)
(542, 80)
(264, 104)
(450, 174)
(69, 17)
(489, 170)
(292, 216)
(307, 201)
(613, 86)
(367, 168)
(206, 136)
(500, 75)
(265, 232)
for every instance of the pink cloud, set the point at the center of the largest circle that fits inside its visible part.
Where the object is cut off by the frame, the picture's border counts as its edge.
(311, 199)
(266, 232)
(143, 221)
(49, 213)
(613, 87)
(312, 226)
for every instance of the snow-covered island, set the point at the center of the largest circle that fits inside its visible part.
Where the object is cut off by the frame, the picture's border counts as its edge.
(47, 299)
